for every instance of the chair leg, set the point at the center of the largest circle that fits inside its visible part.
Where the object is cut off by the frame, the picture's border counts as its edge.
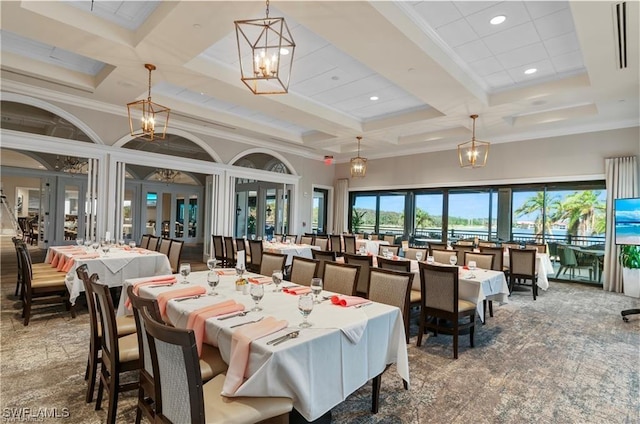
(491, 308)
(26, 311)
(472, 331)
(455, 341)
(421, 330)
(113, 398)
(484, 311)
(100, 392)
(92, 368)
(139, 408)
(405, 384)
(375, 393)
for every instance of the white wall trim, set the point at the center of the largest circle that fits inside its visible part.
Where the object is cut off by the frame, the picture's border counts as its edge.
(268, 152)
(330, 201)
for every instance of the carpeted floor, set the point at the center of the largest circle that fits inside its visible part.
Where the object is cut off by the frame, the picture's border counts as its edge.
(566, 358)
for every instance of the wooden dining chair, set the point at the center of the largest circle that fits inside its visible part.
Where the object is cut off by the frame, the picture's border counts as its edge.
(540, 247)
(439, 285)
(218, 249)
(336, 244)
(144, 241)
(271, 262)
(395, 265)
(482, 260)
(366, 263)
(229, 252)
(437, 246)
(322, 256)
(522, 267)
(340, 278)
(164, 246)
(392, 288)
(255, 249)
(349, 244)
(412, 251)
(321, 242)
(442, 256)
(154, 243)
(306, 240)
(181, 396)
(461, 250)
(175, 252)
(303, 270)
(393, 249)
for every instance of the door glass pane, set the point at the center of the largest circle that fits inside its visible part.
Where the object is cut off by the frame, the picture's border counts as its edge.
(319, 222)
(363, 218)
(468, 215)
(270, 213)
(182, 214)
(152, 202)
(391, 219)
(252, 214)
(193, 215)
(528, 213)
(428, 218)
(71, 211)
(127, 215)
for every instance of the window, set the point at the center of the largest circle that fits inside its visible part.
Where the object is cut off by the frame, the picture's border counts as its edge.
(363, 216)
(469, 215)
(391, 214)
(428, 218)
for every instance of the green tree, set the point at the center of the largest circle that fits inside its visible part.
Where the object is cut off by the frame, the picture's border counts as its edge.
(536, 204)
(357, 219)
(582, 210)
(424, 219)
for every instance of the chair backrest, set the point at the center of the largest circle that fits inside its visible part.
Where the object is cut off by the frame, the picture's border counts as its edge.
(391, 238)
(144, 241)
(442, 256)
(107, 318)
(306, 240)
(436, 245)
(463, 243)
(165, 246)
(498, 256)
(392, 288)
(229, 250)
(218, 247)
(278, 237)
(336, 243)
(321, 242)
(567, 256)
(340, 278)
(349, 244)
(271, 262)
(293, 238)
(303, 270)
(151, 305)
(511, 245)
(483, 260)
(396, 265)
(322, 256)
(83, 274)
(487, 244)
(153, 243)
(541, 248)
(176, 370)
(365, 262)
(394, 249)
(255, 250)
(439, 286)
(175, 251)
(411, 253)
(240, 244)
(460, 251)
(522, 262)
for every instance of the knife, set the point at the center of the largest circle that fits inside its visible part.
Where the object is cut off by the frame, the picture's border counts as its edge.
(277, 339)
(245, 323)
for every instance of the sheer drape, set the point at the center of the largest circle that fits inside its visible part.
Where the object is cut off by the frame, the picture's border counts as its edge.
(621, 181)
(340, 219)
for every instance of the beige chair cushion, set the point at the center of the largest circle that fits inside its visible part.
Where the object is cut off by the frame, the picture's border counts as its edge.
(48, 283)
(415, 296)
(211, 363)
(128, 348)
(465, 305)
(126, 325)
(240, 410)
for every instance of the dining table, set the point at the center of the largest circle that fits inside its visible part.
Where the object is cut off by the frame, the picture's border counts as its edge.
(289, 249)
(344, 348)
(543, 268)
(370, 246)
(113, 268)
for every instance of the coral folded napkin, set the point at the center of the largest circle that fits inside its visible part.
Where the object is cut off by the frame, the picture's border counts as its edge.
(69, 264)
(240, 349)
(344, 300)
(260, 280)
(165, 297)
(226, 272)
(160, 280)
(199, 316)
(297, 290)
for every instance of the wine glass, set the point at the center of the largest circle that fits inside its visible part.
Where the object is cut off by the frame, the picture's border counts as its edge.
(305, 306)
(240, 270)
(212, 263)
(213, 279)
(453, 259)
(418, 256)
(121, 243)
(79, 242)
(132, 244)
(362, 250)
(385, 253)
(276, 276)
(105, 248)
(257, 292)
(95, 246)
(316, 288)
(430, 259)
(185, 270)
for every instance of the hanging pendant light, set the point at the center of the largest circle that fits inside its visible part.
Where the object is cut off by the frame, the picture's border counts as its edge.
(265, 49)
(148, 120)
(358, 164)
(473, 153)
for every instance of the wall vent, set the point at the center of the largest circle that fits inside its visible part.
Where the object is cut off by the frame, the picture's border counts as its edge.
(620, 30)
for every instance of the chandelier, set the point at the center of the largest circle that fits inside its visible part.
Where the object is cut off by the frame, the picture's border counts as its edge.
(166, 175)
(265, 50)
(148, 120)
(473, 153)
(71, 165)
(358, 164)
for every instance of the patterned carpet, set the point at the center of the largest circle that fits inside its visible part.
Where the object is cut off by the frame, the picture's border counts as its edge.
(566, 358)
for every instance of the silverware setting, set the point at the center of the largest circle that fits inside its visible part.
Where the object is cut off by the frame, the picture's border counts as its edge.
(161, 285)
(245, 323)
(278, 340)
(288, 337)
(182, 299)
(362, 305)
(237, 314)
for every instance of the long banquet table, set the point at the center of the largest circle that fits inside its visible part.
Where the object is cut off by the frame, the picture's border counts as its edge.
(342, 351)
(290, 250)
(113, 268)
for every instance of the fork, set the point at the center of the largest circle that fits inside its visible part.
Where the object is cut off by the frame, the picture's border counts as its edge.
(245, 323)
(188, 298)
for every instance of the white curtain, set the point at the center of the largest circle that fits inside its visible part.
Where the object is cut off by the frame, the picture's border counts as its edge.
(341, 209)
(621, 181)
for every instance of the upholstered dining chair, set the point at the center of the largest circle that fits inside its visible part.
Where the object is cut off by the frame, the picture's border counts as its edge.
(349, 244)
(366, 263)
(321, 242)
(498, 260)
(412, 251)
(461, 249)
(218, 248)
(175, 252)
(229, 252)
(522, 267)
(271, 262)
(442, 256)
(255, 249)
(119, 354)
(437, 246)
(390, 238)
(540, 247)
(165, 246)
(181, 396)
(392, 248)
(144, 241)
(336, 244)
(303, 270)
(396, 265)
(340, 278)
(439, 285)
(306, 240)
(482, 260)
(292, 238)
(154, 243)
(392, 288)
(38, 270)
(322, 256)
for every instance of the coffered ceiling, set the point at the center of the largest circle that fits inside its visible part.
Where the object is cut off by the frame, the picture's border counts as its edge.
(405, 75)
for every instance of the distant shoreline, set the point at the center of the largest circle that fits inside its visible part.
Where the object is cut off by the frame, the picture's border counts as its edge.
(628, 239)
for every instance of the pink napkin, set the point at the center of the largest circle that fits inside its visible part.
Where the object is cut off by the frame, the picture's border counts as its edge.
(199, 316)
(165, 297)
(261, 280)
(55, 260)
(227, 272)
(159, 281)
(297, 290)
(240, 349)
(69, 264)
(344, 300)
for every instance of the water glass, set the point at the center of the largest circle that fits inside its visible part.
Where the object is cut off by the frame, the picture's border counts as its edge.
(212, 263)
(277, 276)
(132, 244)
(213, 279)
(472, 265)
(95, 246)
(362, 250)
(121, 243)
(430, 259)
(418, 256)
(257, 292)
(305, 306)
(105, 248)
(316, 288)
(185, 270)
(240, 271)
(453, 259)
(79, 242)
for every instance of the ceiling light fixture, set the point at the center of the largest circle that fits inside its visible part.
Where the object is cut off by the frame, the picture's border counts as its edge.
(71, 165)
(374, 98)
(358, 164)
(473, 153)
(497, 20)
(148, 120)
(530, 71)
(166, 175)
(261, 45)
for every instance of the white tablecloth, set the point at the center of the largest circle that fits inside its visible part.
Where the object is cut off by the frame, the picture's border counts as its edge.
(290, 250)
(372, 246)
(543, 267)
(114, 268)
(321, 367)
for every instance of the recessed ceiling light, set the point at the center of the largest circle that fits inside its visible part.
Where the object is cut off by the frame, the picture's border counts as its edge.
(284, 51)
(335, 78)
(497, 20)
(196, 26)
(530, 71)
(374, 98)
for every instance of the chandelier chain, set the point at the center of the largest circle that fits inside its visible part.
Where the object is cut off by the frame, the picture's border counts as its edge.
(149, 97)
(267, 11)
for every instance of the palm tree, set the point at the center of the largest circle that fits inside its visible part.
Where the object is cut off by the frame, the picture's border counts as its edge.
(536, 203)
(423, 219)
(582, 210)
